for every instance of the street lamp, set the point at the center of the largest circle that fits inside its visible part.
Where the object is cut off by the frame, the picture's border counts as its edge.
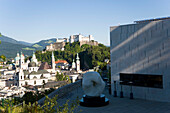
(115, 92)
(131, 93)
(121, 92)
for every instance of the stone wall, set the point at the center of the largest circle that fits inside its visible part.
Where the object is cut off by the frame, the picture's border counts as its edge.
(62, 91)
(143, 49)
(55, 46)
(93, 43)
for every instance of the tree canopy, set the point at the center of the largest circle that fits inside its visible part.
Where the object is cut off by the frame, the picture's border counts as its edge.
(3, 57)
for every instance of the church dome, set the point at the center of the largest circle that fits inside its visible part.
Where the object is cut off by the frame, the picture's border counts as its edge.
(32, 64)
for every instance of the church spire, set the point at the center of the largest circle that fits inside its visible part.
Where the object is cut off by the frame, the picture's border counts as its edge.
(53, 61)
(77, 63)
(73, 64)
(77, 57)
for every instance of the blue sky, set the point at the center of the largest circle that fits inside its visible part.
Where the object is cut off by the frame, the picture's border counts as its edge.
(34, 20)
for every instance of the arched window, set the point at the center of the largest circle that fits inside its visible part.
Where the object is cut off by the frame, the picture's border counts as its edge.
(21, 77)
(42, 76)
(43, 82)
(34, 82)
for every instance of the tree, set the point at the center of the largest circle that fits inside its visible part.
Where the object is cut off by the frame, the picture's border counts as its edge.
(27, 98)
(50, 106)
(3, 57)
(59, 77)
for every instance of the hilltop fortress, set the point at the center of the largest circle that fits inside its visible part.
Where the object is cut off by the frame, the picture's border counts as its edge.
(60, 42)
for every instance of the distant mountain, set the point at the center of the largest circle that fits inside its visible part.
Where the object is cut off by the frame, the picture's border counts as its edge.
(43, 43)
(8, 39)
(25, 43)
(9, 46)
(11, 40)
(10, 49)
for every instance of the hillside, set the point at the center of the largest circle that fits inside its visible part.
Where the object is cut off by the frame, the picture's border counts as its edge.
(43, 43)
(10, 49)
(90, 56)
(8, 39)
(9, 46)
(25, 43)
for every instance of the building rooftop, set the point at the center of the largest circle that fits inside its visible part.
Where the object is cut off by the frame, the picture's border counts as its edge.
(149, 20)
(60, 61)
(44, 66)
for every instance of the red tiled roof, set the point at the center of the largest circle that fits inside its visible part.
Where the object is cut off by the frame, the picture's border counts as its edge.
(61, 61)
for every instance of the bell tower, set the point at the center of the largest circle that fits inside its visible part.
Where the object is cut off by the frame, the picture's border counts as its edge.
(53, 62)
(77, 63)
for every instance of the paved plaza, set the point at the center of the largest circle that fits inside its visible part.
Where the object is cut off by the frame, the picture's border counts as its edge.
(120, 105)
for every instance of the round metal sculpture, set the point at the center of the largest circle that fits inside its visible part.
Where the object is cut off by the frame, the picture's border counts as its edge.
(93, 86)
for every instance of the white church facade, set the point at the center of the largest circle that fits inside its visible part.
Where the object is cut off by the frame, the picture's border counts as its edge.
(29, 73)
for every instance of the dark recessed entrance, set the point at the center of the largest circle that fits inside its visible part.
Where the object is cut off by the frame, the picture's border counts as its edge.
(143, 80)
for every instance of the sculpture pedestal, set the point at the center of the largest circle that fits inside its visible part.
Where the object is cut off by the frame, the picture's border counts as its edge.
(90, 101)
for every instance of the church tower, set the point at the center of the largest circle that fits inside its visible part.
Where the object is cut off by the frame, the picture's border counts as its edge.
(17, 58)
(20, 77)
(78, 63)
(34, 59)
(22, 60)
(53, 62)
(73, 64)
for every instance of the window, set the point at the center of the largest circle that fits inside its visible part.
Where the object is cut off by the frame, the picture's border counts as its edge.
(143, 80)
(34, 82)
(43, 82)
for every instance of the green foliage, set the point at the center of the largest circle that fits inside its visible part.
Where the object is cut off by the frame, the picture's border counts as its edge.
(43, 43)
(49, 41)
(50, 106)
(7, 106)
(28, 48)
(36, 46)
(61, 77)
(31, 108)
(35, 96)
(27, 98)
(10, 49)
(3, 57)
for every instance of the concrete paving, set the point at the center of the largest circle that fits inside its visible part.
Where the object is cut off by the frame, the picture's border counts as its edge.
(119, 105)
